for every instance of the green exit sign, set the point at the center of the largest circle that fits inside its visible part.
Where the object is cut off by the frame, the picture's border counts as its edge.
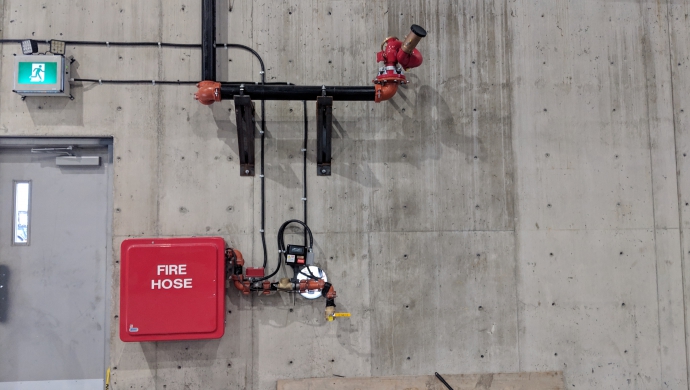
(41, 75)
(37, 73)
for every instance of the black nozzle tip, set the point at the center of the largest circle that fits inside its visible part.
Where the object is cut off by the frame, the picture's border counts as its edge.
(418, 30)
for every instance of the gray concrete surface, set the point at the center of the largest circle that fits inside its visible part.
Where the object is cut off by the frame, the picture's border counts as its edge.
(520, 206)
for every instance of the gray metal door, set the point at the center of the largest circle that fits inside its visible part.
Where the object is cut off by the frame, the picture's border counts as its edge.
(54, 251)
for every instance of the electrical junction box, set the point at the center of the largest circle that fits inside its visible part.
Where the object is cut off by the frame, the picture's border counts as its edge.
(172, 289)
(41, 75)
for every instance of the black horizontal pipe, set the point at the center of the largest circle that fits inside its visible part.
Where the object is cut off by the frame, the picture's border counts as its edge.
(297, 92)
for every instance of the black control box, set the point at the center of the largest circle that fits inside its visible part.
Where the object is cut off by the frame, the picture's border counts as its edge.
(296, 250)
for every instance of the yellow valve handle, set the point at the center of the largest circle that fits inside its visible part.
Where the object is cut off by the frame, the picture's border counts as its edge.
(341, 315)
(107, 379)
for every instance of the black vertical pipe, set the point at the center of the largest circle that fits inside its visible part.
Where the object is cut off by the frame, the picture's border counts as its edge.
(208, 40)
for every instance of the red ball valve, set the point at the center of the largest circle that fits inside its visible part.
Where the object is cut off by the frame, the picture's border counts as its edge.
(397, 57)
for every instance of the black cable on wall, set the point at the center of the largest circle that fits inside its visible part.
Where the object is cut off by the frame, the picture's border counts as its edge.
(304, 174)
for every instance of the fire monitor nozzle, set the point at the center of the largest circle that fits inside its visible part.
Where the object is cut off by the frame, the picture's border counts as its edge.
(412, 39)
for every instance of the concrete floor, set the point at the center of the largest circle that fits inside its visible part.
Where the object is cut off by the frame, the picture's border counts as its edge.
(519, 207)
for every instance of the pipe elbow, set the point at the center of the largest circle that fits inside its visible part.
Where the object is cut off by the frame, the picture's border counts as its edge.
(241, 284)
(240, 258)
(385, 91)
(209, 92)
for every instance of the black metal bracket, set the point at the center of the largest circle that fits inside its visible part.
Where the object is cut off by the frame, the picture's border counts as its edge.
(244, 112)
(324, 131)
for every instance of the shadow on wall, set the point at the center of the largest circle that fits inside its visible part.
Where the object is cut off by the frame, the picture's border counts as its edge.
(59, 111)
(419, 137)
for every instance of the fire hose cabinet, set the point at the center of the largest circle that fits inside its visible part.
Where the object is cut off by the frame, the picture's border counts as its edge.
(172, 289)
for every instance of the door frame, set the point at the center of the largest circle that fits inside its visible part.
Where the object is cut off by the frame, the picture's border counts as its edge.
(85, 143)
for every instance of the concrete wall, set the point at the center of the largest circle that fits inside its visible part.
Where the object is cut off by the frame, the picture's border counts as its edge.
(520, 206)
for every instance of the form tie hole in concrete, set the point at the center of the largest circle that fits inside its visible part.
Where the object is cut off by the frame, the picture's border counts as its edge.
(614, 110)
(179, 367)
(475, 157)
(291, 310)
(479, 254)
(115, 368)
(407, 306)
(182, 158)
(476, 207)
(555, 354)
(290, 362)
(553, 303)
(475, 109)
(291, 110)
(616, 156)
(116, 316)
(229, 311)
(618, 204)
(548, 205)
(684, 155)
(482, 356)
(229, 364)
(408, 358)
(329, 12)
(332, 360)
(481, 308)
(623, 304)
(330, 62)
(686, 203)
(621, 253)
(545, 110)
(626, 351)
(547, 155)
(119, 108)
(405, 256)
(551, 254)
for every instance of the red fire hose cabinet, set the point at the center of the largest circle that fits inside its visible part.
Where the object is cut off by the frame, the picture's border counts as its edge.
(172, 289)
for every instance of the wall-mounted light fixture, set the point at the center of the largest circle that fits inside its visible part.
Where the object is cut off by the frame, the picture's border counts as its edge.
(29, 46)
(57, 47)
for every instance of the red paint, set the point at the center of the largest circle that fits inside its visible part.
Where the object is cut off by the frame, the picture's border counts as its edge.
(172, 289)
(255, 272)
(392, 55)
